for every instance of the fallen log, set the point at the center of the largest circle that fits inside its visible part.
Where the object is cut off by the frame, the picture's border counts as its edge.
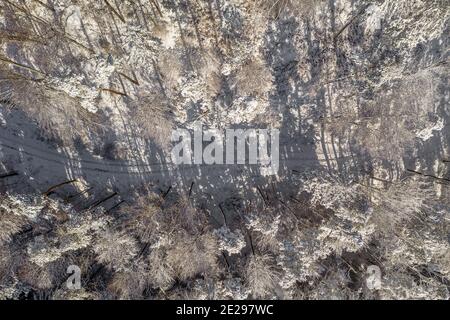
(9, 174)
(56, 186)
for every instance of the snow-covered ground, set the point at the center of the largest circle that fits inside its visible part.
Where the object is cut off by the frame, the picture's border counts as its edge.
(358, 89)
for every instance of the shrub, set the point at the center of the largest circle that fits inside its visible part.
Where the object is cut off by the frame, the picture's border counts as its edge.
(261, 276)
(115, 250)
(10, 223)
(190, 256)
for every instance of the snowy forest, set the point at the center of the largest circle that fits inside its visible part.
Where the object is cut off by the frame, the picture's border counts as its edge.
(91, 91)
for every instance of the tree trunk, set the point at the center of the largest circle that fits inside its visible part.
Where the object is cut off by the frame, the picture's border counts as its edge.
(99, 202)
(50, 190)
(9, 174)
(115, 206)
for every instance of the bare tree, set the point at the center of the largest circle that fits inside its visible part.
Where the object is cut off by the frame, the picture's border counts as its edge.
(5, 262)
(11, 222)
(402, 201)
(254, 78)
(190, 256)
(115, 250)
(171, 69)
(36, 276)
(261, 276)
(276, 8)
(144, 219)
(129, 284)
(161, 274)
(388, 126)
(153, 116)
(208, 66)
